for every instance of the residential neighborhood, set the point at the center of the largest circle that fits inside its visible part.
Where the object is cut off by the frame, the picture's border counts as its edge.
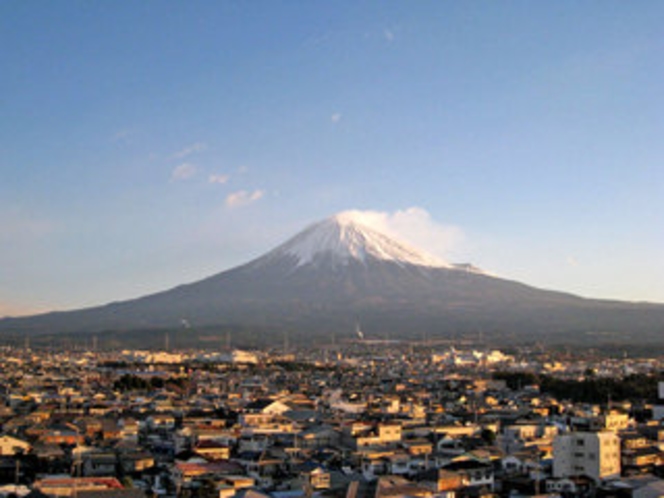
(355, 420)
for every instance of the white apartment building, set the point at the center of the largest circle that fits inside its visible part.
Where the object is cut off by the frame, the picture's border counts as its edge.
(593, 454)
(658, 409)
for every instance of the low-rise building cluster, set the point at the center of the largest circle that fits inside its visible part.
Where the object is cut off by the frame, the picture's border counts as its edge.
(356, 421)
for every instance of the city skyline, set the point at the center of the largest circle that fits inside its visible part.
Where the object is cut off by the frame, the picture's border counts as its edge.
(143, 146)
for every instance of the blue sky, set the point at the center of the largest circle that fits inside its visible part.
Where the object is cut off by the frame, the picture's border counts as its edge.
(148, 144)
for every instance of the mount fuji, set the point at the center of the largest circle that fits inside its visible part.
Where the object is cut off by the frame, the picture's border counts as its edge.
(338, 272)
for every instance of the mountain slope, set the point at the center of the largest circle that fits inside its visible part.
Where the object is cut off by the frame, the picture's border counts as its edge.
(339, 271)
(343, 238)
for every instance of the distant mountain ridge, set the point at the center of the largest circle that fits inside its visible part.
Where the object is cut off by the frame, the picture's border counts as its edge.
(338, 271)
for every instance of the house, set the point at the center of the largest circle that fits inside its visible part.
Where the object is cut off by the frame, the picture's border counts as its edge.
(445, 483)
(653, 489)
(111, 493)
(259, 465)
(65, 433)
(318, 436)
(526, 462)
(266, 407)
(383, 434)
(570, 486)
(645, 486)
(474, 473)
(316, 477)
(129, 429)
(212, 450)
(514, 464)
(11, 446)
(99, 464)
(233, 486)
(418, 446)
(161, 422)
(72, 486)
(89, 426)
(111, 430)
(397, 487)
(51, 458)
(641, 460)
(615, 420)
(519, 435)
(134, 462)
(184, 473)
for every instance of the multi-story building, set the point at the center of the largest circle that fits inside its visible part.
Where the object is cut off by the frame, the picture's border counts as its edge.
(593, 454)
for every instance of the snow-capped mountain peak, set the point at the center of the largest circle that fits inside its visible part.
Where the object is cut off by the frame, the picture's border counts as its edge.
(345, 237)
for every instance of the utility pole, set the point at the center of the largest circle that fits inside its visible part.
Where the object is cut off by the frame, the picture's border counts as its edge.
(18, 452)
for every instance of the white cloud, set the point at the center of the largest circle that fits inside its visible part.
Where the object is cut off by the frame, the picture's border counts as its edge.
(243, 198)
(122, 136)
(415, 226)
(388, 34)
(191, 149)
(336, 117)
(183, 172)
(218, 178)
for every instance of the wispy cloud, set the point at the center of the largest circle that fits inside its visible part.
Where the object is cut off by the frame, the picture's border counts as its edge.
(318, 39)
(123, 136)
(183, 172)
(188, 151)
(388, 34)
(243, 198)
(336, 117)
(218, 178)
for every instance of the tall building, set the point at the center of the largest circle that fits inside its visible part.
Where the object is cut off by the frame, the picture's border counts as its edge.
(658, 409)
(593, 454)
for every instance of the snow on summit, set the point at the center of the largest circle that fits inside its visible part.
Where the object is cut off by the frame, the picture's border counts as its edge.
(345, 237)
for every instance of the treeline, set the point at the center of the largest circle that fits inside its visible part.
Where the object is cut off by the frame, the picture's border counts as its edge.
(591, 389)
(296, 366)
(129, 382)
